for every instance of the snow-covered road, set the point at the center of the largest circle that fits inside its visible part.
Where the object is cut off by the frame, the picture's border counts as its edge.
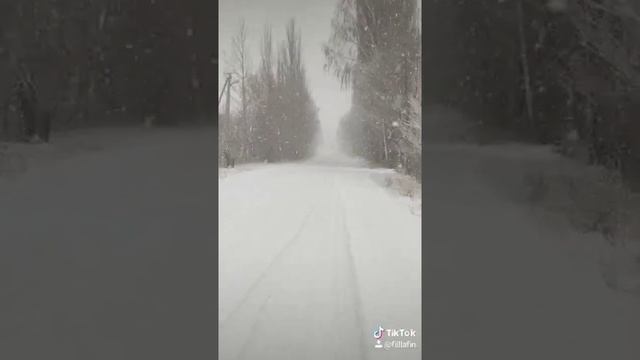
(313, 257)
(109, 254)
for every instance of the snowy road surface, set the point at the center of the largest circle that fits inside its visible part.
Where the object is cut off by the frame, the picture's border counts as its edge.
(313, 257)
(108, 254)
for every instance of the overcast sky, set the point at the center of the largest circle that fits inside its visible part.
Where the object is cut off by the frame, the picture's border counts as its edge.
(313, 18)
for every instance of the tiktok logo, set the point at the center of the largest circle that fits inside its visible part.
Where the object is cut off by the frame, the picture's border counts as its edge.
(391, 335)
(378, 335)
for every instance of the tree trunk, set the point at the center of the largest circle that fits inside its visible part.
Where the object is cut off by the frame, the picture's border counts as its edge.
(525, 64)
(384, 141)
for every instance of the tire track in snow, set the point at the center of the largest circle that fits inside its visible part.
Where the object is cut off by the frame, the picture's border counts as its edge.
(351, 276)
(274, 262)
(253, 330)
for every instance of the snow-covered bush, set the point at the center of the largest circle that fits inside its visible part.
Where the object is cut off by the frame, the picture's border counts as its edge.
(595, 200)
(592, 198)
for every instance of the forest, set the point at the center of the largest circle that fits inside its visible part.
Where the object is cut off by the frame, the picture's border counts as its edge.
(275, 118)
(543, 71)
(109, 62)
(558, 72)
(375, 50)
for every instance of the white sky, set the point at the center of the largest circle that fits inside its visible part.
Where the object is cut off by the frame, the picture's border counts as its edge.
(313, 18)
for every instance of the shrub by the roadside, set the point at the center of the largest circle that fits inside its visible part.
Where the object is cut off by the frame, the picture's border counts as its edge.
(594, 199)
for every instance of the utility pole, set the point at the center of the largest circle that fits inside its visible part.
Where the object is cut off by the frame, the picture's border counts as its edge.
(224, 87)
(228, 109)
(226, 125)
(227, 87)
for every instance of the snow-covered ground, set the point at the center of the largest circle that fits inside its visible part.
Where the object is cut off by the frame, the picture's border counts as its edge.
(74, 142)
(500, 282)
(313, 257)
(106, 247)
(106, 251)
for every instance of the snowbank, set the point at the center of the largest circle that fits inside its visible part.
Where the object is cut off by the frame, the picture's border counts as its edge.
(64, 145)
(591, 199)
(407, 187)
(501, 277)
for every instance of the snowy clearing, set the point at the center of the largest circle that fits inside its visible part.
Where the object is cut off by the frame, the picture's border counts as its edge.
(313, 257)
